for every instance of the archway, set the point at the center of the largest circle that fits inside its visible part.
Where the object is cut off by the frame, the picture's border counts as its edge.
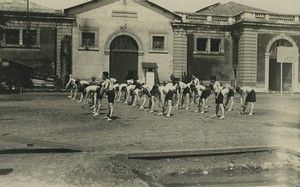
(123, 58)
(272, 67)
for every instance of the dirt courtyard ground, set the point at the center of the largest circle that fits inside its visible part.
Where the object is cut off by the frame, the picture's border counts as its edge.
(52, 118)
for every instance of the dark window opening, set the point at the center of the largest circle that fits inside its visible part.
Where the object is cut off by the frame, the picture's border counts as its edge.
(88, 39)
(158, 42)
(12, 36)
(201, 44)
(215, 45)
(29, 37)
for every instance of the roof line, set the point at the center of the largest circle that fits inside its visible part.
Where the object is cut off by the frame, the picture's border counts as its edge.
(158, 6)
(209, 7)
(197, 14)
(136, 1)
(79, 5)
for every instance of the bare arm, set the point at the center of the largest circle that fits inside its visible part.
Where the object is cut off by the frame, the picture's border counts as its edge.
(86, 98)
(68, 84)
(242, 99)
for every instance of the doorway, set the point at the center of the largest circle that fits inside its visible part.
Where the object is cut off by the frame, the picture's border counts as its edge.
(123, 58)
(274, 68)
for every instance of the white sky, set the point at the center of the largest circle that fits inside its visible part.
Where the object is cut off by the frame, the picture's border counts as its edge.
(280, 6)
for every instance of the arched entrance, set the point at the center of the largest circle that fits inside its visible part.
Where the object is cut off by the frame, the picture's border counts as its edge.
(274, 68)
(123, 58)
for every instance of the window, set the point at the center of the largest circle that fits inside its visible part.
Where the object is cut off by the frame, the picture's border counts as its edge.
(29, 37)
(215, 45)
(158, 42)
(202, 44)
(88, 39)
(208, 45)
(12, 36)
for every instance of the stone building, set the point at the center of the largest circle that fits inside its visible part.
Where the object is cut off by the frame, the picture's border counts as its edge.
(128, 38)
(33, 37)
(239, 44)
(139, 39)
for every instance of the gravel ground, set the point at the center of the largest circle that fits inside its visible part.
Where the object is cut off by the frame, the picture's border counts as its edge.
(67, 170)
(54, 118)
(270, 167)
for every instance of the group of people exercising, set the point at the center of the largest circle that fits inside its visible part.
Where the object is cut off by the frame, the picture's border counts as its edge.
(175, 92)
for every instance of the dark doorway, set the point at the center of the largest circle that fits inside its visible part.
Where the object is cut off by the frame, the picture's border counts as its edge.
(274, 82)
(274, 68)
(123, 58)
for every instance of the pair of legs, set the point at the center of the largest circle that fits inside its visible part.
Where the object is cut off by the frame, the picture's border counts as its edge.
(111, 98)
(187, 97)
(81, 97)
(229, 100)
(202, 101)
(73, 91)
(201, 105)
(219, 105)
(137, 98)
(128, 95)
(250, 98)
(194, 98)
(244, 107)
(151, 102)
(92, 100)
(119, 95)
(167, 103)
(97, 99)
(71, 94)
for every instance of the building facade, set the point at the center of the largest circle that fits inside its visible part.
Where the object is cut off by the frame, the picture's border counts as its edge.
(128, 38)
(239, 45)
(137, 39)
(236, 43)
(33, 37)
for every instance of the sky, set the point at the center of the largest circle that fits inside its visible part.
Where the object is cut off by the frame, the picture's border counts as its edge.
(279, 6)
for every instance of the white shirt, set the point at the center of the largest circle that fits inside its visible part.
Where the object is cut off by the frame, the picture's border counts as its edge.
(140, 82)
(200, 87)
(170, 87)
(130, 87)
(182, 85)
(217, 87)
(246, 89)
(113, 80)
(84, 82)
(147, 87)
(92, 88)
(225, 91)
(130, 81)
(123, 85)
(195, 81)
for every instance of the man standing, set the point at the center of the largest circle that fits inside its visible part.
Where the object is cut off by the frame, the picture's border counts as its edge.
(109, 89)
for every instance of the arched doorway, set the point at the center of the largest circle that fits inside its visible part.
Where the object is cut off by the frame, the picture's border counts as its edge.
(123, 58)
(274, 68)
